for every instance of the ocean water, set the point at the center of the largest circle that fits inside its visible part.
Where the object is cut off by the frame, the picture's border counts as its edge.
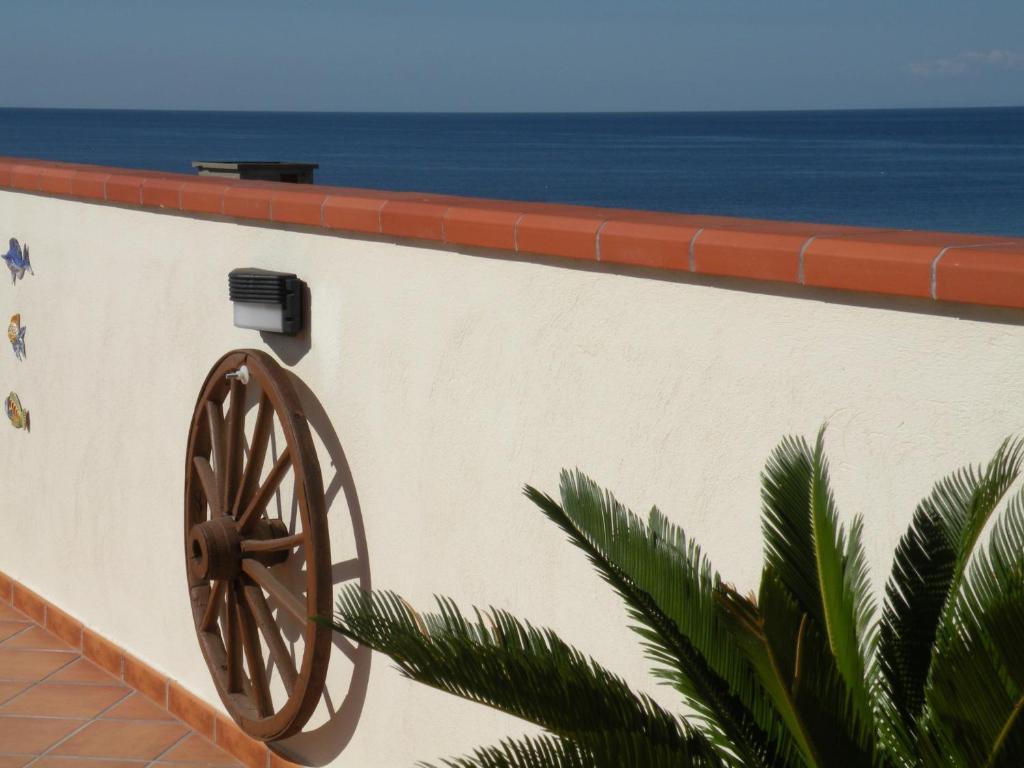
(951, 169)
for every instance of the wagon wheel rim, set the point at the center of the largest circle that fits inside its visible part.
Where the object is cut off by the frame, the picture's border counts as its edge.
(233, 547)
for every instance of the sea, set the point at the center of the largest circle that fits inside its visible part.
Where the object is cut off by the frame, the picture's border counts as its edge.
(941, 169)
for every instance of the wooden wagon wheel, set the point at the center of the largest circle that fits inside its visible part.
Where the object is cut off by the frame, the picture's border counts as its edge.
(239, 558)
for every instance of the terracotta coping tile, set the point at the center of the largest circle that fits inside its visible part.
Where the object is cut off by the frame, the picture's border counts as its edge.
(481, 227)
(160, 192)
(298, 207)
(90, 184)
(646, 244)
(990, 274)
(202, 196)
(25, 176)
(418, 220)
(56, 181)
(888, 261)
(125, 188)
(353, 213)
(243, 200)
(555, 234)
(6, 586)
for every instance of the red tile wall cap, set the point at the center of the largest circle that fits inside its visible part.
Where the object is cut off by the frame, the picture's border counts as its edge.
(247, 201)
(160, 192)
(924, 264)
(988, 274)
(554, 233)
(897, 262)
(413, 219)
(481, 227)
(298, 206)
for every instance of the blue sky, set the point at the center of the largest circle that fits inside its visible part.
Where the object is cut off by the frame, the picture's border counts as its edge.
(481, 55)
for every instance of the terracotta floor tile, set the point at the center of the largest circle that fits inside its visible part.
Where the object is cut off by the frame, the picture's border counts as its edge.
(196, 749)
(84, 671)
(32, 735)
(14, 762)
(31, 665)
(82, 762)
(122, 739)
(10, 690)
(9, 613)
(64, 700)
(8, 628)
(37, 639)
(138, 707)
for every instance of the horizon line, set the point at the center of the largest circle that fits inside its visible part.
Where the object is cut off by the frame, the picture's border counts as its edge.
(512, 112)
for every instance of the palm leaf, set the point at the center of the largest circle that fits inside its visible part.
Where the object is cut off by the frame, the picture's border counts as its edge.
(509, 665)
(668, 589)
(598, 750)
(929, 566)
(821, 566)
(794, 663)
(975, 693)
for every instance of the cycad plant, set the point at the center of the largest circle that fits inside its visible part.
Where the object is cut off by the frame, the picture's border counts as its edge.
(800, 674)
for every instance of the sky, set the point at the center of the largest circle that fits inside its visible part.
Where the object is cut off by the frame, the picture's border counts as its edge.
(527, 55)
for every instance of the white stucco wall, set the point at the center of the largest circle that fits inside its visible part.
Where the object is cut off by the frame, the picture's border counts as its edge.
(451, 379)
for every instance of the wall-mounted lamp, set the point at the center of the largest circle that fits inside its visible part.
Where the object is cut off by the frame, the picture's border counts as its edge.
(266, 301)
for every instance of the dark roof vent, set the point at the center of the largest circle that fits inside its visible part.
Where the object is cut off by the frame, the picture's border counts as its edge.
(270, 170)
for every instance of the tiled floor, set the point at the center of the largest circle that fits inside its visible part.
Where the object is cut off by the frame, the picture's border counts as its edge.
(59, 710)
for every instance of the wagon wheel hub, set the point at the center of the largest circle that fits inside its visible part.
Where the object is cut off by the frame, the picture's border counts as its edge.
(216, 547)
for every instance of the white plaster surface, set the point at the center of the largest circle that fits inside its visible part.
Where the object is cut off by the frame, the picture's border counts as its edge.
(451, 380)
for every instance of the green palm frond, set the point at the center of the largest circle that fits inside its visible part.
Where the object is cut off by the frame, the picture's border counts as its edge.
(975, 693)
(821, 565)
(929, 566)
(793, 661)
(600, 751)
(668, 588)
(509, 665)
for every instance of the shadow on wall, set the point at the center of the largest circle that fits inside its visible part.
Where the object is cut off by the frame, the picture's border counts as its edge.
(321, 745)
(291, 349)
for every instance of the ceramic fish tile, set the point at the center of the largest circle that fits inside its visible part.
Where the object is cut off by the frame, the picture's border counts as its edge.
(17, 415)
(16, 335)
(17, 260)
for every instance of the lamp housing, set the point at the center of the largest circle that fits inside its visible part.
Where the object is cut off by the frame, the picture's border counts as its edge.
(266, 301)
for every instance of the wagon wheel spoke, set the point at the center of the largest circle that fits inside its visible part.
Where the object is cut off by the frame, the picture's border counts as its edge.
(215, 423)
(258, 546)
(233, 448)
(232, 642)
(213, 607)
(254, 660)
(262, 497)
(273, 586)
(208, 481)
(283, 660)
(257, 453)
